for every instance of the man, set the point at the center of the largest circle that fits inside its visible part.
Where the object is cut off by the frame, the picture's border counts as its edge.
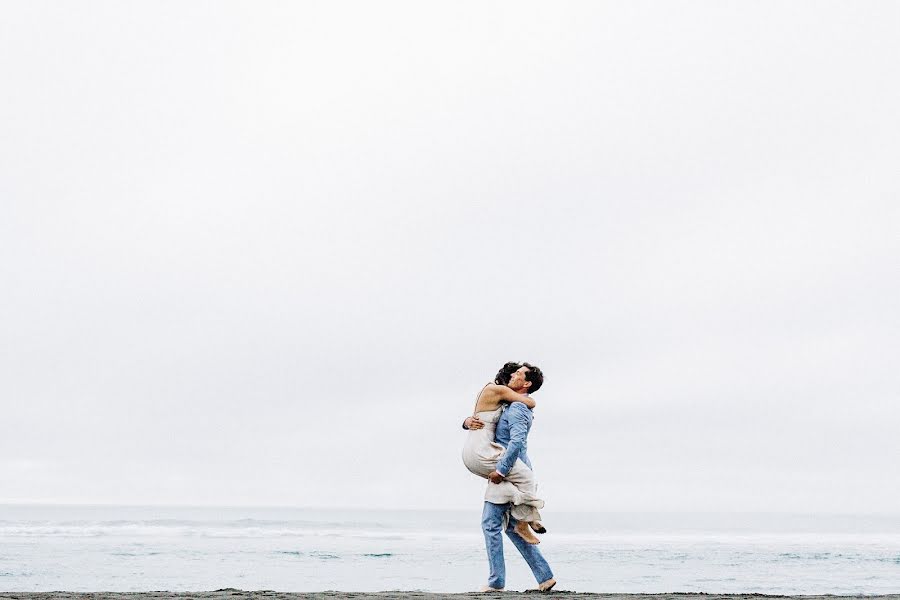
(512, 433)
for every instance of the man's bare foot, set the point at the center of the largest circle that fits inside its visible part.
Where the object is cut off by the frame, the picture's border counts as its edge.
(537, 527)
(525, 533)
(544, 587)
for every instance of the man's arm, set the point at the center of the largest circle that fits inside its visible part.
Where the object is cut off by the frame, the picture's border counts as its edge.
(472, 422)
(519, 420)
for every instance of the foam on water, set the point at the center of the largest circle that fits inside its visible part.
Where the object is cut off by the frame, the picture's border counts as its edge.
(143, 548)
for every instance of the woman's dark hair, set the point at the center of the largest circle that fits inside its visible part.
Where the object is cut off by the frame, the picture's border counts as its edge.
(505, 373)
(535, 376)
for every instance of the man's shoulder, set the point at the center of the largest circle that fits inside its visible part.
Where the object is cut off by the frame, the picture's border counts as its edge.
(519, 410)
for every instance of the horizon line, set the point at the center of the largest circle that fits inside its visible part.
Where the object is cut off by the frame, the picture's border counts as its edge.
(51, 503)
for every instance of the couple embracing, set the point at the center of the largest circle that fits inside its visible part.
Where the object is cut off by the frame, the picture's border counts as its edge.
(496, 449)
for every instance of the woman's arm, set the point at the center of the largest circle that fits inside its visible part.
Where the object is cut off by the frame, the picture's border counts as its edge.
(510, 396)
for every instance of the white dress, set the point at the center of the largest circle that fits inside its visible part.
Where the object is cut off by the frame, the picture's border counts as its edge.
(480, 455)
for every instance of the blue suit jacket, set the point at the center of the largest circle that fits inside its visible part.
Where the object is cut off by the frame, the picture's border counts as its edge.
(512, 432)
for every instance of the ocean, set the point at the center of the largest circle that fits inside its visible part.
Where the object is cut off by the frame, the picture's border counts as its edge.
(119, 548)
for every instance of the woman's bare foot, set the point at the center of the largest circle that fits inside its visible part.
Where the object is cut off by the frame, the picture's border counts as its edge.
(525, 533)
(537, 527)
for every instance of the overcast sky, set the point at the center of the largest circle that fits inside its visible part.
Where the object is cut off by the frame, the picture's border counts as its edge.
(267, 253)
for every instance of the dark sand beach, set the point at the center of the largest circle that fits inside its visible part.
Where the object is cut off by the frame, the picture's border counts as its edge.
(232, 594)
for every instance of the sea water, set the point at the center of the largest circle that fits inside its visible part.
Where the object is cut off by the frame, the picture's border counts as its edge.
(94, 548)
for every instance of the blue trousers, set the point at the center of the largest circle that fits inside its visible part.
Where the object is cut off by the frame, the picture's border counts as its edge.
(492, 525)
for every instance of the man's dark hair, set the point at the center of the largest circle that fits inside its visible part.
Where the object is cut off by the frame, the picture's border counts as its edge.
(505, 373)
(535, 376)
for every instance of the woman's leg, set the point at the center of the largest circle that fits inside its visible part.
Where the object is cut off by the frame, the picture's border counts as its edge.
(525, 502)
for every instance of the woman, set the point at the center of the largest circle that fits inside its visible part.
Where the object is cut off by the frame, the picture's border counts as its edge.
(481, 453)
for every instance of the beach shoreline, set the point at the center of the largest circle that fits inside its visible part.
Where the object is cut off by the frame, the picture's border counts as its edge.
(234, 594)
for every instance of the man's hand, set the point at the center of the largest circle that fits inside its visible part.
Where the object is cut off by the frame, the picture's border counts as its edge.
(473, 423)
(496, 477)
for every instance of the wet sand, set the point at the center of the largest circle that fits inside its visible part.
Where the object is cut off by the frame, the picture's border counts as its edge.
(232, 594)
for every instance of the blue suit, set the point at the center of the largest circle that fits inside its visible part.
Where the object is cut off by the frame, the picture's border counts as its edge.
(512, 432)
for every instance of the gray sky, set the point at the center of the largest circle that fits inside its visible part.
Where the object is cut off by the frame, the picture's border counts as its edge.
(267, 253)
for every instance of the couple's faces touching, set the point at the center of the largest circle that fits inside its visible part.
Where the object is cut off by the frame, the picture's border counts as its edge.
(517, 380)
